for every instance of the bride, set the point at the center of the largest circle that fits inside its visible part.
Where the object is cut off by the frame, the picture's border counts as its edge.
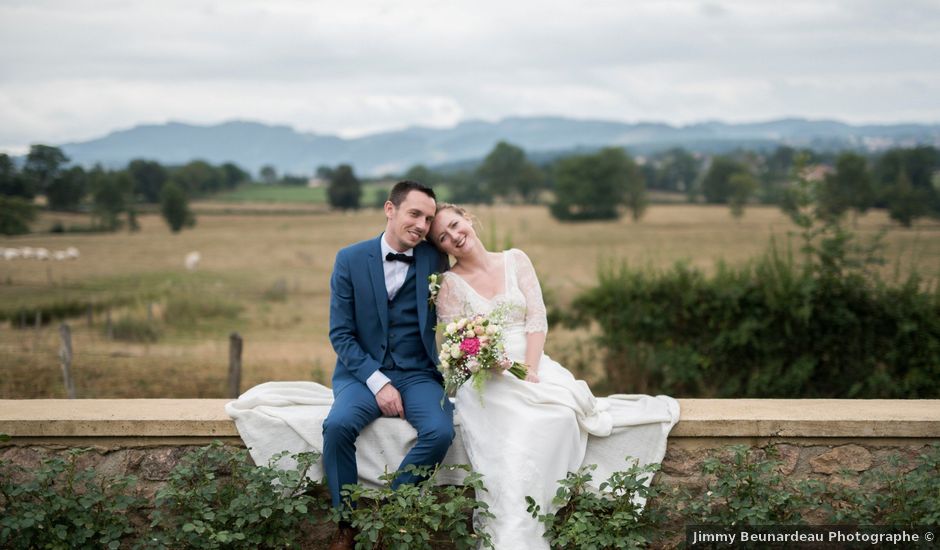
(522, 435)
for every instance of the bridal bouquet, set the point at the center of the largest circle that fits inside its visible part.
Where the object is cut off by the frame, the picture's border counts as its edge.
(472, 348)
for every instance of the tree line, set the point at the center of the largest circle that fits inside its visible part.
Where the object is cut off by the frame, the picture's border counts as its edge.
(597, 185)
(606, 183)
(111, 196)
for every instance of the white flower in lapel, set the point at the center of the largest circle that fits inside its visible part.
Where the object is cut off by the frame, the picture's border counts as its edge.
(434, 286)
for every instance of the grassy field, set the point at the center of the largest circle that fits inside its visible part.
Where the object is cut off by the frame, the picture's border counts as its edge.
(293, 194)
(266, 277)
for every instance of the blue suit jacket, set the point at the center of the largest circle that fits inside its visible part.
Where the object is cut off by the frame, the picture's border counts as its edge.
(359, 309)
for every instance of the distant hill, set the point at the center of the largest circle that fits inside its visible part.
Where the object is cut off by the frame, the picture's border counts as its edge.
(251, 145)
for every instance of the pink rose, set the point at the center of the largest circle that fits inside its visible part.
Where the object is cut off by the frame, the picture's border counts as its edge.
(470, 346)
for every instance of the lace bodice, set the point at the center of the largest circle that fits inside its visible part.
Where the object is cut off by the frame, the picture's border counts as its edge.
(521, 294)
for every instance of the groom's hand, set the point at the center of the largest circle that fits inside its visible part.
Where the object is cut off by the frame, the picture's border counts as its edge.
(389, 401)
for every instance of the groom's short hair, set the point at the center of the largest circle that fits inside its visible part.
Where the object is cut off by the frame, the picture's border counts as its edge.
(402, 188)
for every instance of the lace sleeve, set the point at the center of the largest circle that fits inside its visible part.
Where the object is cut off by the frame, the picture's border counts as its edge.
(449, 305)
(535, 315)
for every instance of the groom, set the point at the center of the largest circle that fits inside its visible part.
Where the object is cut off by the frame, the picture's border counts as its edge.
(382, 330)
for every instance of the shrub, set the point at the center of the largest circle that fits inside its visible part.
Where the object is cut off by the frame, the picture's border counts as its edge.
(128, 329)
(613, 518)
(827, 326)
(216, 498)
(25, 317)
(883, 497)
(174, 206)
(415, 516)
(15, 215)
(770, 328)
(748, 489)
(55, 506)
(192, 307)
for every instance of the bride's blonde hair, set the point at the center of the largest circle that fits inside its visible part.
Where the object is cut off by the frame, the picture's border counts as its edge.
(461, 211)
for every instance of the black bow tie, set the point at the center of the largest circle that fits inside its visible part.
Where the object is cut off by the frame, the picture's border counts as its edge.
(393, 257)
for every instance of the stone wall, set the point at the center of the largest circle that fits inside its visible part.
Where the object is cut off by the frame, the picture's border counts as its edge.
(814, 438)
(151, 463)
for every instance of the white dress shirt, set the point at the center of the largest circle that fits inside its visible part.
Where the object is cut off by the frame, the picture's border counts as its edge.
(395, 273)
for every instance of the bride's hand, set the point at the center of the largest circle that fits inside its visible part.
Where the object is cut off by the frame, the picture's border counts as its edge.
(531, 376)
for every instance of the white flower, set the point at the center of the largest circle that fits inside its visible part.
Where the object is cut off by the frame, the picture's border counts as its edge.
(455, 353)
(451, 328)
(492, 329)
(461, 324)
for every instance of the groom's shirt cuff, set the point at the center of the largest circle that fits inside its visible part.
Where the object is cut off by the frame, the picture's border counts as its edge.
(377, 381)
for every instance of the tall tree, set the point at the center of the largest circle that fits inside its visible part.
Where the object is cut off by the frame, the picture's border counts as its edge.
(673, 170)
(741, 187)
(268, 174)
(421, 174)
(776, 170)
(506, 173)
(199, 177)
(906, 203)
(12, 182)
(344, 191)
(716, 187)
(16, 213)
(110, 195)
(634, 190)
(149, 177)
(919, 164)
(67, 189)
(850, 186)
(174, 206)
(465, 188)
(233, 175)
(592, 187)
(43, 164)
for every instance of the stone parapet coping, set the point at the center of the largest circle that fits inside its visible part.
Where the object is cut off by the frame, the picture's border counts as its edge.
(206, 418)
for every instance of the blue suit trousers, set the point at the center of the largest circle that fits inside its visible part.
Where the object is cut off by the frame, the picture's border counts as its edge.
(354, 408)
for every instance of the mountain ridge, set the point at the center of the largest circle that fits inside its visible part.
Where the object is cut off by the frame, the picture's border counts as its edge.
(253, 144)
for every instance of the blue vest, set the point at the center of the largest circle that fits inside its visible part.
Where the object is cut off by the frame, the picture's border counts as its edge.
(405, 346)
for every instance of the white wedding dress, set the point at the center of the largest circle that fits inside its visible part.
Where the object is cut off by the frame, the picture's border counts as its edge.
(522, 436)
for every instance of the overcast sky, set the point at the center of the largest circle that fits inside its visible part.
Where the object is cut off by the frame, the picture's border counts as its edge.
(72, 70)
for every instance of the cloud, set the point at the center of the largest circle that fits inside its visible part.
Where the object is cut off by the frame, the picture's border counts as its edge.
(76, 69)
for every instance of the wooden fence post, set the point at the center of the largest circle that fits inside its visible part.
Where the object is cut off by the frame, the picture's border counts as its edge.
(234, 365)
(38, 326)
(65, 354)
